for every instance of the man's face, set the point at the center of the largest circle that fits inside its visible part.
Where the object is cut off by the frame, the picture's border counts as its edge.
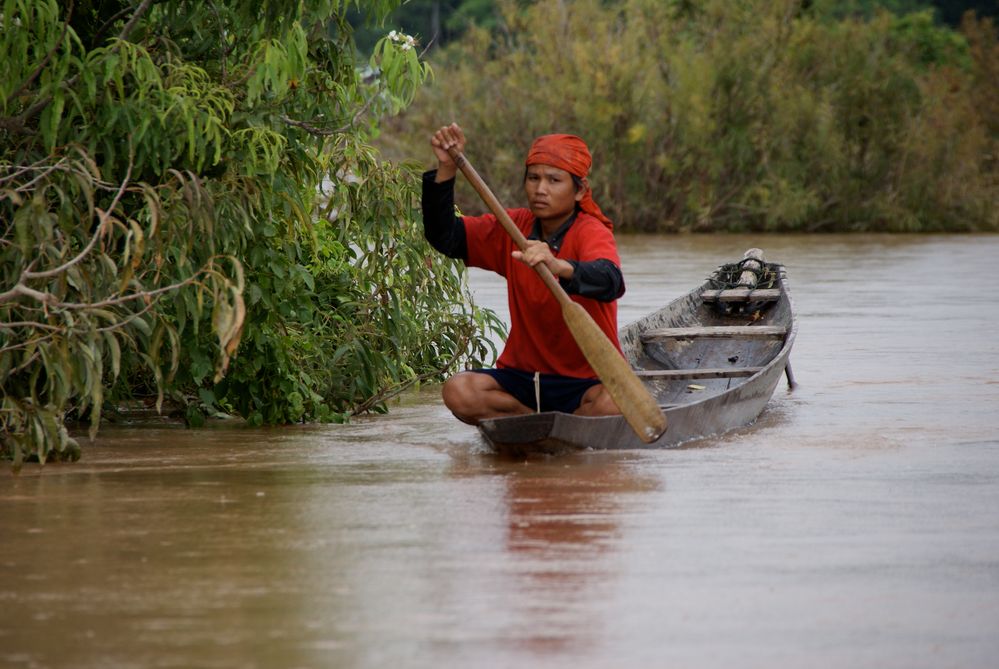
(551, 194)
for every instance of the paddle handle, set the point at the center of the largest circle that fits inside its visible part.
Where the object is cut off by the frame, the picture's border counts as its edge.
(504, 219)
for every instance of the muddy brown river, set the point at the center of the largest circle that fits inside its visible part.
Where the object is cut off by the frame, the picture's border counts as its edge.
(856, 524)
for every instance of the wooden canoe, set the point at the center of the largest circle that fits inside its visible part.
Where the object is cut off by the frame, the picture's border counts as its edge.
(711, 358)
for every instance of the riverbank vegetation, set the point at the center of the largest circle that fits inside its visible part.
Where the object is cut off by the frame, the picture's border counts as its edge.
(734, 116)
(192, 215)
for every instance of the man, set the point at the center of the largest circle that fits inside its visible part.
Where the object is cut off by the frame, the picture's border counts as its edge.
(541, 367)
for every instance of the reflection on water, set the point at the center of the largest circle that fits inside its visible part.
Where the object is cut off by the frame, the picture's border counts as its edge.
(563, 530)
(854, 525)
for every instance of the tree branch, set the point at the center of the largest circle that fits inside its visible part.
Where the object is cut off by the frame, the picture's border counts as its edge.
(21, 169)
(23, 188)
(392, 391)
(130, 26)
(20, 289)
(107, 24)
(29, 324)
(104, 216)
(112, 301)
(325, 132)
(131, 317)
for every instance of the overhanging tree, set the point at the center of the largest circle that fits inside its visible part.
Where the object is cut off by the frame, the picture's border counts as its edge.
(190, 211)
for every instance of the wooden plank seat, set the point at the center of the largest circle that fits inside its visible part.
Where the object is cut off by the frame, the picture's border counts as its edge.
(741, 295)
(703, 373)
(719, 331)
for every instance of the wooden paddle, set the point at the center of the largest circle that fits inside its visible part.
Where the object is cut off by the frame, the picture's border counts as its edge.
(628, 392)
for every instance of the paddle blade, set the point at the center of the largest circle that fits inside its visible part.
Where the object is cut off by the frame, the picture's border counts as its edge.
(629, 393)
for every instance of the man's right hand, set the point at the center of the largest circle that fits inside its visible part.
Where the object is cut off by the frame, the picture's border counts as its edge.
(447, 137)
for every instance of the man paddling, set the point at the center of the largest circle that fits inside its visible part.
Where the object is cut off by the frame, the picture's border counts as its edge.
(541, 367)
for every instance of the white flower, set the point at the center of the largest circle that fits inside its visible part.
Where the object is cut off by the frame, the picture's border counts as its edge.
(410, 41)
(393, 36)
(406, 47)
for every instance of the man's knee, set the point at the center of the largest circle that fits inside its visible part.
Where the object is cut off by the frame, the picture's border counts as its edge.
(455, 392)
(598, 402)
(462, 394)
(472, 396)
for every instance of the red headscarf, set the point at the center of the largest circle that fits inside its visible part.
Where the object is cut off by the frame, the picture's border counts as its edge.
(569, 153)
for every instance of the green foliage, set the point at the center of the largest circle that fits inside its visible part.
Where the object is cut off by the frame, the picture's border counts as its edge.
(928, 43)
(190, 209)
(841, 9)
(482, 13)
(719, 115)
(949, 12)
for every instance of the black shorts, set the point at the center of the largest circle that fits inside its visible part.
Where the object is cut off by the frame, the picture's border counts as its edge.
(558, 393)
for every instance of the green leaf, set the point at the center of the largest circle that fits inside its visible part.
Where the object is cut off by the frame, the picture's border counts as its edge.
(207, 396)
(115, 349)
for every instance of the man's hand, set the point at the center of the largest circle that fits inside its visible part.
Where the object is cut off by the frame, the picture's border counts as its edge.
(539, 252)
(447, 137)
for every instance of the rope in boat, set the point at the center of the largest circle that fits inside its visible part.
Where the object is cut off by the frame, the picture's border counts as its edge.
(726, 277)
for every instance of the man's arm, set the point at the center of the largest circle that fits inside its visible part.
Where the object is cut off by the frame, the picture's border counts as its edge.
(598, 279)
(441, 227)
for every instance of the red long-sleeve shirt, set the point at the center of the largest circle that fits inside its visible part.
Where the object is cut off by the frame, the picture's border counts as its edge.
(539, 339)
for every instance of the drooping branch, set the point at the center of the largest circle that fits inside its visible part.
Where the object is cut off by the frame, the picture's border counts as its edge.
(21, 290)
(130, 26)
(48, 56)
(96, 39)
(18, 170)
(316, 131)
(29, 324)
(308, 127)
(328, 132)
(131, 317)
(393, 391)
(141, 295)
(105, 216)
(25, 187)
(18, 125)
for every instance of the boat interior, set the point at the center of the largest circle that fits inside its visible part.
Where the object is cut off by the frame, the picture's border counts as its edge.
(715, 337)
